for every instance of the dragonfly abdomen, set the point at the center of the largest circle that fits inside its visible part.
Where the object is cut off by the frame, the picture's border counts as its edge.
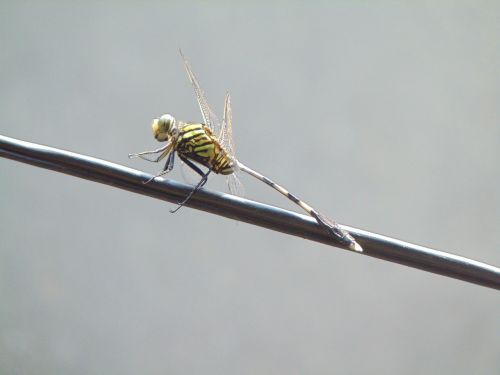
(196, 142)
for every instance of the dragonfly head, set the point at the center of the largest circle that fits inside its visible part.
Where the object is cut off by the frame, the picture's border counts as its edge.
(163, 127)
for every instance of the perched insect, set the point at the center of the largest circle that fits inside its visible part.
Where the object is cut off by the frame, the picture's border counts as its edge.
(211, 145)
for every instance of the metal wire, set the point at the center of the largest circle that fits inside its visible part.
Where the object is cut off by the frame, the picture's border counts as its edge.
(252, 212)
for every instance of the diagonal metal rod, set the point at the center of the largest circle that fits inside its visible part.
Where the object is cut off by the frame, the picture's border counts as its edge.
(252, 212)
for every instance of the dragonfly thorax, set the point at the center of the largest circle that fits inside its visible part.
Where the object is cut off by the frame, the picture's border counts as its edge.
(164, 127)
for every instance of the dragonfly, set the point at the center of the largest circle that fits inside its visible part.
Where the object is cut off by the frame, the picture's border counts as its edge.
(210, 145)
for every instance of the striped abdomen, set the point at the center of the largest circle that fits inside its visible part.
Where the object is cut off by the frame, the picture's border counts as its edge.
(196, 142)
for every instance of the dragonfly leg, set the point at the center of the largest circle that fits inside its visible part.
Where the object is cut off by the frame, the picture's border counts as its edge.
(169, 165)
(155, 160)
(199, 185)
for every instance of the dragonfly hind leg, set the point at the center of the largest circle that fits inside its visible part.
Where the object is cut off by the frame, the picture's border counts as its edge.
(199, 185)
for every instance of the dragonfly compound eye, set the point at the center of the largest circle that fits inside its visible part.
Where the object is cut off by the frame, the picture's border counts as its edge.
(162, 127)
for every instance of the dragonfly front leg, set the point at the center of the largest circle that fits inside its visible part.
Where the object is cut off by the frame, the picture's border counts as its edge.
(156, 160)
(199, 185)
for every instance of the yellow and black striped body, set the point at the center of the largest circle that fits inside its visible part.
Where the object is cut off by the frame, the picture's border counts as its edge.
(196, 142)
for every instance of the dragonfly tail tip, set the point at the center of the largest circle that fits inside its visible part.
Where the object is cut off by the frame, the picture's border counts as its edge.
(356, 247)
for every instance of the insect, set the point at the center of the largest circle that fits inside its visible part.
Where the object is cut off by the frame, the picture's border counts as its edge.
(210, 144)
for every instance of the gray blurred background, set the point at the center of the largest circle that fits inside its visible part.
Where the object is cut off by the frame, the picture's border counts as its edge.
(384, 116)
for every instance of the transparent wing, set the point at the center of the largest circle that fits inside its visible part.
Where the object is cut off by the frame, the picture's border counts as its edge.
(222, 132)
(235, 185)
(226, 132)
(226, 139)
(209, 117)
